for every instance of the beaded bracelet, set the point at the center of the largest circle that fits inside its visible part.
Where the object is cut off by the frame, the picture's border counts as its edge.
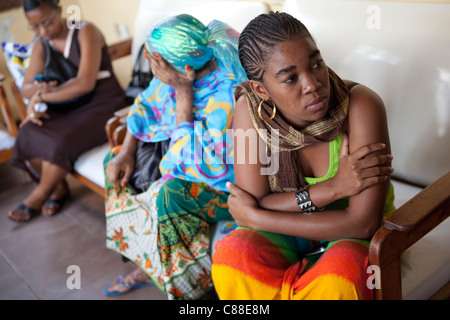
(304, 201)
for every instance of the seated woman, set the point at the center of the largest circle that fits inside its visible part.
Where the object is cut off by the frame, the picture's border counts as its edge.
(290, 217)
(182, 118)
(177, 148)
(50, 141)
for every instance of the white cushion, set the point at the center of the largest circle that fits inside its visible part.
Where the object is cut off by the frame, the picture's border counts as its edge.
(90, 164)
(424, 265)
(6, 140)
(403, 192)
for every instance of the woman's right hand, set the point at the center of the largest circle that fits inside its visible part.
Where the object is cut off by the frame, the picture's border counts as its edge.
(120, 168)
(33, 115)
(165, 72)
(360, 170)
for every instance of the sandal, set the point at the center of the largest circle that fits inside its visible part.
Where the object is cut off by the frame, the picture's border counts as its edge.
(55, 204)
(126, 285)
(22, 207)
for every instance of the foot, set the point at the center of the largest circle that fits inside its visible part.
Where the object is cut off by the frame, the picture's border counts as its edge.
(23, 213)
(56, 200)
(130, 281)
(30, 207)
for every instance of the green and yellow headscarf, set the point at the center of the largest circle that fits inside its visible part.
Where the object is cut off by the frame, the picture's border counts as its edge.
(185, 41)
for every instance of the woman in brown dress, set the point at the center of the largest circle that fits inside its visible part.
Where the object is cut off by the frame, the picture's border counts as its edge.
(50, 141)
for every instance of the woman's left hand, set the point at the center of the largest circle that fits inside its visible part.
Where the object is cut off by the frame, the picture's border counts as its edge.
(242, 205)
(165, 72)
(46, 87)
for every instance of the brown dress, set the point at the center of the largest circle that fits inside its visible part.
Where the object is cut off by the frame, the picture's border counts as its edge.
(68, 134)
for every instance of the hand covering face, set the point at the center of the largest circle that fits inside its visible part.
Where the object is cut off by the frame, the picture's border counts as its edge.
(185, 41)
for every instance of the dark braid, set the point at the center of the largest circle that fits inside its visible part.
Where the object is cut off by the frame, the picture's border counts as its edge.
(261, 35)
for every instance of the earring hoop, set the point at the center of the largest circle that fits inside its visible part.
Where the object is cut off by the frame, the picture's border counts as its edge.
(274, 112)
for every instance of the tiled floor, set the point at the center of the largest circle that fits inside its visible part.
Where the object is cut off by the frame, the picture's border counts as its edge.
(34, 256)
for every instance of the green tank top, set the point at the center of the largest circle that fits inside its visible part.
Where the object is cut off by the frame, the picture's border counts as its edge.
(335, 150)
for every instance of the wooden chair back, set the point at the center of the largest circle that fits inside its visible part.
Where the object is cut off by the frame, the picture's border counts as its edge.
(10, 124)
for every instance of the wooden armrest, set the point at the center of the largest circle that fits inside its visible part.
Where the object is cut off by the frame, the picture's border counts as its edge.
(110, 127)
(119, 134)
(402, 229)
(116, 127)
(120, 49)
(7, 114)
(417, 210)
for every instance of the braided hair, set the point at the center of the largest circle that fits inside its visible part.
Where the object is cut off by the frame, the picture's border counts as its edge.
(29, 5)
(262, 35)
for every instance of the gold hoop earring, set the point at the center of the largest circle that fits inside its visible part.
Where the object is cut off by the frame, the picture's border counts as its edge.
(274, 112)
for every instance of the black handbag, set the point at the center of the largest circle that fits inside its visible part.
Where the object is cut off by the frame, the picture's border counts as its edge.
(60, 69)
(140, 78)
(146, 167)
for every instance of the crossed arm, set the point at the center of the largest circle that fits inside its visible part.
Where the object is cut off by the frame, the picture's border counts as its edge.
(364, 179)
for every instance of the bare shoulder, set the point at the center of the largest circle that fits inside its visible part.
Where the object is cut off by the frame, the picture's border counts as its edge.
(242, 118)
(364, 99)
(89, 32)
(86, 26)
(367, 120)
(247, 157)
(241, 104)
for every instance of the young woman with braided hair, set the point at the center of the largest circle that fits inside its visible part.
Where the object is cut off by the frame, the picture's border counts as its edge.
(285, 246)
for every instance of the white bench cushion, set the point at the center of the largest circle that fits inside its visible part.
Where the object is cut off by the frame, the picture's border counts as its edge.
(6, 140)
(424, 265)
(90, 164)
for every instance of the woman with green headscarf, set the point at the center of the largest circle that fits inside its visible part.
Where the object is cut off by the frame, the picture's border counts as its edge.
(183, 118)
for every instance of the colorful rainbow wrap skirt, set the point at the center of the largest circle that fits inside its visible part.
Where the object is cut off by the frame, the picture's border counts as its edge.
(250, 265)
